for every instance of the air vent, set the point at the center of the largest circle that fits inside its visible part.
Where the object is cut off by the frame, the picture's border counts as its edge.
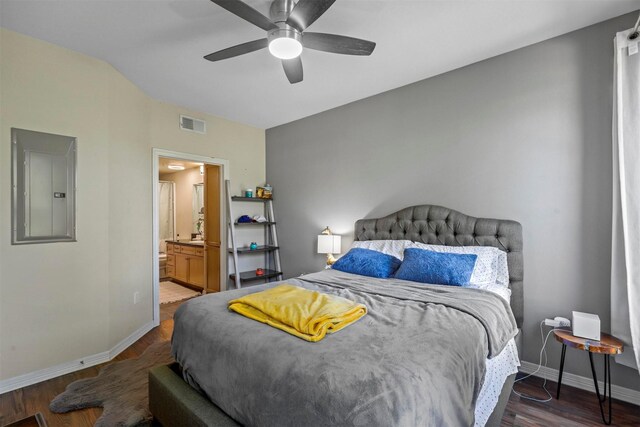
(192, 125)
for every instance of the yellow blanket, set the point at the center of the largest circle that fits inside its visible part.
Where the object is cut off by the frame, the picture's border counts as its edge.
(309, 315)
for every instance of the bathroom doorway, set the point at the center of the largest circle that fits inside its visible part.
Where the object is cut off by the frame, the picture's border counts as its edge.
(187, 229)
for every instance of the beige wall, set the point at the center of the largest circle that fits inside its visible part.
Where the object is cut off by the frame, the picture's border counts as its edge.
(129, 199)
(242, 145)
(184, 180)
(64, 301)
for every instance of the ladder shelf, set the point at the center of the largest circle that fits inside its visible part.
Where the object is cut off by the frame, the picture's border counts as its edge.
(260, 248)
(247, 276)
(270, 248)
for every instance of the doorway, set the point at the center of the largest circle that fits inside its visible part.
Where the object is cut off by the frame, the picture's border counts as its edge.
(188, 220)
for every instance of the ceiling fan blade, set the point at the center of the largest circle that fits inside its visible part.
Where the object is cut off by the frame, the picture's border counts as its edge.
(247, 13)
(337, 44)
(293, 69)
(237, 50)
(306, 12)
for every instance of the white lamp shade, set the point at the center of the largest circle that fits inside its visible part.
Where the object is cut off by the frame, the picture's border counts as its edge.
(329, 244)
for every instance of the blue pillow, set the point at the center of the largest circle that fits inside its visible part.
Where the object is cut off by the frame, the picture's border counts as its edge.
(437, 268)
(366, 262)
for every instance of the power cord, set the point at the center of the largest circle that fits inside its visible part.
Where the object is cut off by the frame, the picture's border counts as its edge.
(543, 352)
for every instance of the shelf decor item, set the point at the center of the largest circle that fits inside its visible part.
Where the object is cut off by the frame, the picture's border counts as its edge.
(253, 246)
(259, 272)
(265, 192)
(329, 243)
(244, 219)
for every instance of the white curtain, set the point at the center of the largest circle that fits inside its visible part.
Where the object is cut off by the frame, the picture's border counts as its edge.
(166, 191)
(625, 263)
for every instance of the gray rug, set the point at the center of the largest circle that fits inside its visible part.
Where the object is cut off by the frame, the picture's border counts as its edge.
(120, 388)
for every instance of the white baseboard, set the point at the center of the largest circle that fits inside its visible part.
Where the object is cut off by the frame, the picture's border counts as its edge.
(31, 378)
(128, 341)
(584, 383)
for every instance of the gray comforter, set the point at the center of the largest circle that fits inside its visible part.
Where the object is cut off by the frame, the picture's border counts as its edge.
(416, 359)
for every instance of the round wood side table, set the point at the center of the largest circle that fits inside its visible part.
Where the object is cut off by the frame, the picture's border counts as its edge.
(607, 346)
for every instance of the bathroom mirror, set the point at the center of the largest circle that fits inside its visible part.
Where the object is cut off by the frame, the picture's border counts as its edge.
(198, 209)
(43, 183)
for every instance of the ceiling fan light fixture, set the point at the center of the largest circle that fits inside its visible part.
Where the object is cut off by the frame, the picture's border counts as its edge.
(285, 43)
(285, 48)
(285, 27)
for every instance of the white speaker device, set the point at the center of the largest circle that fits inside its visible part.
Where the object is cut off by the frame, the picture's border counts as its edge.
(586, 325)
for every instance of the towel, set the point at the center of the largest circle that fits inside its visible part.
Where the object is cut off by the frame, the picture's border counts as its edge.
(309, 315)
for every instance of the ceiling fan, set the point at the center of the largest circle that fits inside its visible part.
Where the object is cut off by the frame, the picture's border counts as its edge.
(286, 35)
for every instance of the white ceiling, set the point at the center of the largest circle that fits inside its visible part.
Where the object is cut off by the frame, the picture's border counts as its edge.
(159, 46)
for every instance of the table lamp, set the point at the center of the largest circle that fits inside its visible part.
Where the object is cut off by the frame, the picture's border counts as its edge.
(329, 243)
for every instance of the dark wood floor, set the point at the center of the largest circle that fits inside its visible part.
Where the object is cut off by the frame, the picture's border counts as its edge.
(167, 310)
(576, 407)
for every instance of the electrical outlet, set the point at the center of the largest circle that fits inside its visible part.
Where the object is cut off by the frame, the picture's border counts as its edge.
(552, 323)
(136, 297)
(557, 322)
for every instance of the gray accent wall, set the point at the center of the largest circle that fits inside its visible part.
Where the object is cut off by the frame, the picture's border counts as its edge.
(524, 136)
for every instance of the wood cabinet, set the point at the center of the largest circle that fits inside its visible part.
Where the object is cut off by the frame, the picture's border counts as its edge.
(196, 271)
(171, 263)
(182, 268)
(185, 264)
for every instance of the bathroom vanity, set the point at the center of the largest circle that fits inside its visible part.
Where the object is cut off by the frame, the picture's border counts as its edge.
(185, 262)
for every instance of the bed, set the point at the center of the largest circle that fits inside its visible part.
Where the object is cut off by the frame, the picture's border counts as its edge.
(424, 355)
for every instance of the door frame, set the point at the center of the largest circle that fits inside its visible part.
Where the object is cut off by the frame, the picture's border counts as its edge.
(224, 164)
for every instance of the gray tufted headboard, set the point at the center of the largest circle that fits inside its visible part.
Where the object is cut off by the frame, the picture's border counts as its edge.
(436, 225)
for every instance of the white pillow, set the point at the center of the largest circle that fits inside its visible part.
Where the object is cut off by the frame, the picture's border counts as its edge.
(502, 270)
(485, 272)
(390, 247)
(503, 291)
